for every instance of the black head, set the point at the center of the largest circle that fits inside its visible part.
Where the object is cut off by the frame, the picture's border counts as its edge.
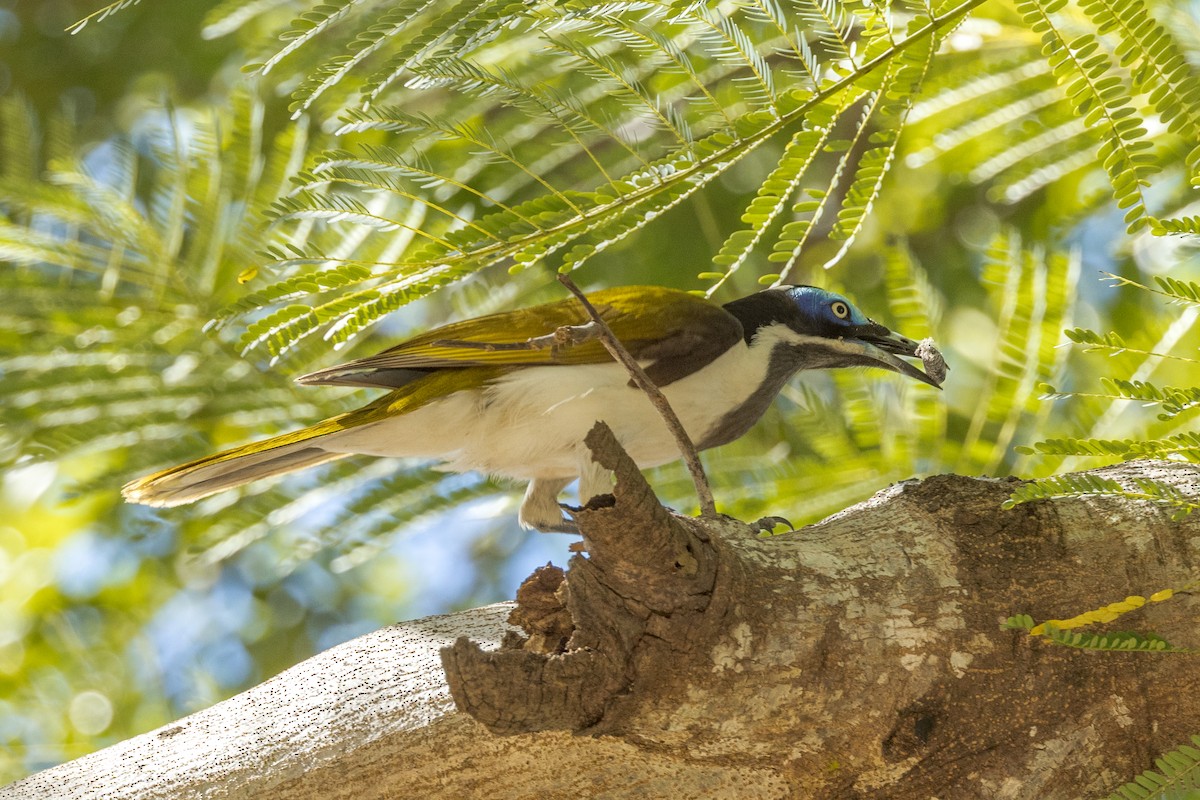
(823, 330)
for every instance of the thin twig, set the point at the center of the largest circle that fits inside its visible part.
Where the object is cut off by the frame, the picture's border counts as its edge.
(563, 337)
(708, 507)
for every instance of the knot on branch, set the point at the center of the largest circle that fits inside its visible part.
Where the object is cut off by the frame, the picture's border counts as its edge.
(542, 612)
(648, 575)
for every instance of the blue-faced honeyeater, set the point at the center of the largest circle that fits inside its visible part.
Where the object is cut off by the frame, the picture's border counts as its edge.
(523, 413)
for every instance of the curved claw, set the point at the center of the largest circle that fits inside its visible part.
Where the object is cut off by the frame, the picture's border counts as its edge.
(769, 524)
(563, 525)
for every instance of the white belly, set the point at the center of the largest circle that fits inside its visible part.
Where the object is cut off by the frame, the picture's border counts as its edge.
(531, 423)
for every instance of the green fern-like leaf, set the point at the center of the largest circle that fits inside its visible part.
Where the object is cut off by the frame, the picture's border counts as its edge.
(1101, 99)
(586, 124)
(864, 189)
(1089, 485)
(916, 307)
(795, 235)
(308, 26)
(1108, 341)
(1177, 777)
(634, 217)
(449, 33)
(1041, 141)
(1176, 290)
(369, 180)
(568, 226)
(293, 288)
(19, 156)
(1183, 226)
(1018, 622)
(1113, 344)
(886, 110)
(398, 121)
(1183, 291)
(832, 26)
(1172, 400)
(1010, 91)
(386, 161)
(1120, 641)
(1156, 63)
(367, 525)
(366, 44)
(347, 314)
(332, 208)
(609, 71)
(101, 15)
(1184, 446)
(1104, 408)
(910, 72)
(794, 46)
(774, 193)
(669, 55)
(730, 43)
(370, 495)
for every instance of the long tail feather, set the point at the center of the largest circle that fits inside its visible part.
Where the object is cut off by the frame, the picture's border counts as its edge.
(307, 447)
(216, 473)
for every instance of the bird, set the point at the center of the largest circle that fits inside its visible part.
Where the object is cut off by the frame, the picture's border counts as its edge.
(478, 395)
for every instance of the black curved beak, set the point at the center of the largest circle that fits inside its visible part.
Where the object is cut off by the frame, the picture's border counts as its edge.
(882, 346)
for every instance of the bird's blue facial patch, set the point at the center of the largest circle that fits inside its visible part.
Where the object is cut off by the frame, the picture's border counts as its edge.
(825, 307)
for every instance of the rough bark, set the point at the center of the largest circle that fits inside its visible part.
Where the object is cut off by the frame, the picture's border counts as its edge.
(862, 657)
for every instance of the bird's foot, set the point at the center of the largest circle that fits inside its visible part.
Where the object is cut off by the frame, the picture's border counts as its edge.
(540, 509)
(769, 524)
(564, 525)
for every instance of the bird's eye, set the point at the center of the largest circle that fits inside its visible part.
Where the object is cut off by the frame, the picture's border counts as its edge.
(839, 309)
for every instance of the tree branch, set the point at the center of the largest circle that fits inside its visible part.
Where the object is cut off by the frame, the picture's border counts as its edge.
(862, 657)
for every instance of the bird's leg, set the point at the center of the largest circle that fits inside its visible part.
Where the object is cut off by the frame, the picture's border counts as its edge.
(540, 509)
(594, 481)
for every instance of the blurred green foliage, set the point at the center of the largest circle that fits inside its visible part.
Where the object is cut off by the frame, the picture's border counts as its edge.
(139, 186)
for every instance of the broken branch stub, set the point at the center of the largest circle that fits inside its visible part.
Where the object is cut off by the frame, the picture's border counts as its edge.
(645, 570)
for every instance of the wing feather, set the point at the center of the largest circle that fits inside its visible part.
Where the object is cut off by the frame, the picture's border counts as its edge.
(677, 332)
